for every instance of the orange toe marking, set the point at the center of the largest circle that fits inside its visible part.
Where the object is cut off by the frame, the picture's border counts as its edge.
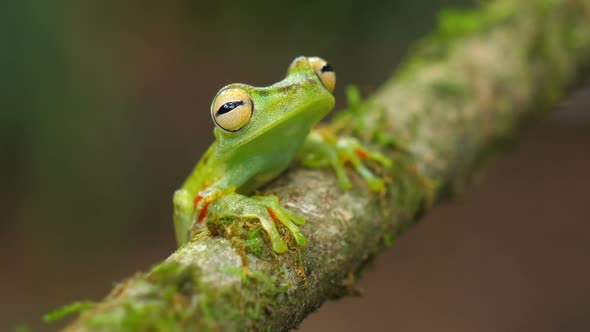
(272, 213)
(361, 153)
(198, 198)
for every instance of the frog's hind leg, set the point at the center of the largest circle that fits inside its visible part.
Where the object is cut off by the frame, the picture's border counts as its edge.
(318, 154)
(350, 149)
(325, 149)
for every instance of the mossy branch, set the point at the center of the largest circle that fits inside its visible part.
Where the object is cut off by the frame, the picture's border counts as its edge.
(464, 88)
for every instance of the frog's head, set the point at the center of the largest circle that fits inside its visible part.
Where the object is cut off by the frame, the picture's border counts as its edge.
(243, 113)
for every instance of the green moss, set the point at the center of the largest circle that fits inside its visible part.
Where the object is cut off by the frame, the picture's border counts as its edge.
(415, 191)
(60, 313)
(245, 235)
(258, 291)
(255, 243)
(389, 239)
(577, 38)
(454, 25)
(267, 289)
(451, 90)
(414, 121)
(161, 302)
(173, 297)
(547, 5)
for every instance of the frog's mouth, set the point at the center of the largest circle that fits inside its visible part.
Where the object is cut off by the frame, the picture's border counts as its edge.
(297, 120)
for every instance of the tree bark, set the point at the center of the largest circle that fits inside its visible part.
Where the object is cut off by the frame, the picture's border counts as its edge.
(464, 89)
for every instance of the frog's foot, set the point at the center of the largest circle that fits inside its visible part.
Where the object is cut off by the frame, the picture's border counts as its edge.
(264, 208)
(350, 150)
(287, 217)
(322, 150)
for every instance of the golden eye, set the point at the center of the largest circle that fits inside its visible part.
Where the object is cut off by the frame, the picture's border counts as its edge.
(324, 71)
(232, 109)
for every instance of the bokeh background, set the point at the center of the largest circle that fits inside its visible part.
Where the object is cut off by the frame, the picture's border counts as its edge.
(105, 109)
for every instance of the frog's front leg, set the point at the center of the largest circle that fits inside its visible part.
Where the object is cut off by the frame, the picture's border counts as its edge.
(184, 210)
(190, 209)
(264, 208)
(325, 149)
(211, 204)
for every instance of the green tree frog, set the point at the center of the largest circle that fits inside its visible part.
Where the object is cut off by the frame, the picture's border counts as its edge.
(258, 132)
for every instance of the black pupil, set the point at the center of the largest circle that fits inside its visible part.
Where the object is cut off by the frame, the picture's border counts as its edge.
(327, 68)
(229, 106)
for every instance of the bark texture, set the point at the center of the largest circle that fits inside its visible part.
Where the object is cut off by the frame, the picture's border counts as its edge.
(463, 89)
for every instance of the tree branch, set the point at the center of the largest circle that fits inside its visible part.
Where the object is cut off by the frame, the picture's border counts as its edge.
(465, 88)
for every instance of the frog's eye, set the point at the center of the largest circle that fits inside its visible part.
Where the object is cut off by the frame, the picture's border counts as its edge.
(232, 109)
(324, 71)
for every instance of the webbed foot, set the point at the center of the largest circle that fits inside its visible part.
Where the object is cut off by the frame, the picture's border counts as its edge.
(323, 149)
(264, 208)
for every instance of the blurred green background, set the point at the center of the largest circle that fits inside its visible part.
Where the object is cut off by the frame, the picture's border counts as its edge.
(105, 110)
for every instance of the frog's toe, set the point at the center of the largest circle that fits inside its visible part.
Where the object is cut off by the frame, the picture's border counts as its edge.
(299, 220)
(266, 220)
(340, 170)
(279, 213)
(373, 182)
(278, 244)
(378, 157)
(312, 160)
(288, 218)
(323, 148)
(350, 150)
(376, 184)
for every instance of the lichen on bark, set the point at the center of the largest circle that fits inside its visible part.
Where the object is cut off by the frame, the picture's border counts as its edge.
(472, 82)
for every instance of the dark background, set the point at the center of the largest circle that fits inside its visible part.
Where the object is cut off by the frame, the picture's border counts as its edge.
(105, 110)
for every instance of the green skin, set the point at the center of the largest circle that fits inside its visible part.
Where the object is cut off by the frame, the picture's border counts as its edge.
(284, 114)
